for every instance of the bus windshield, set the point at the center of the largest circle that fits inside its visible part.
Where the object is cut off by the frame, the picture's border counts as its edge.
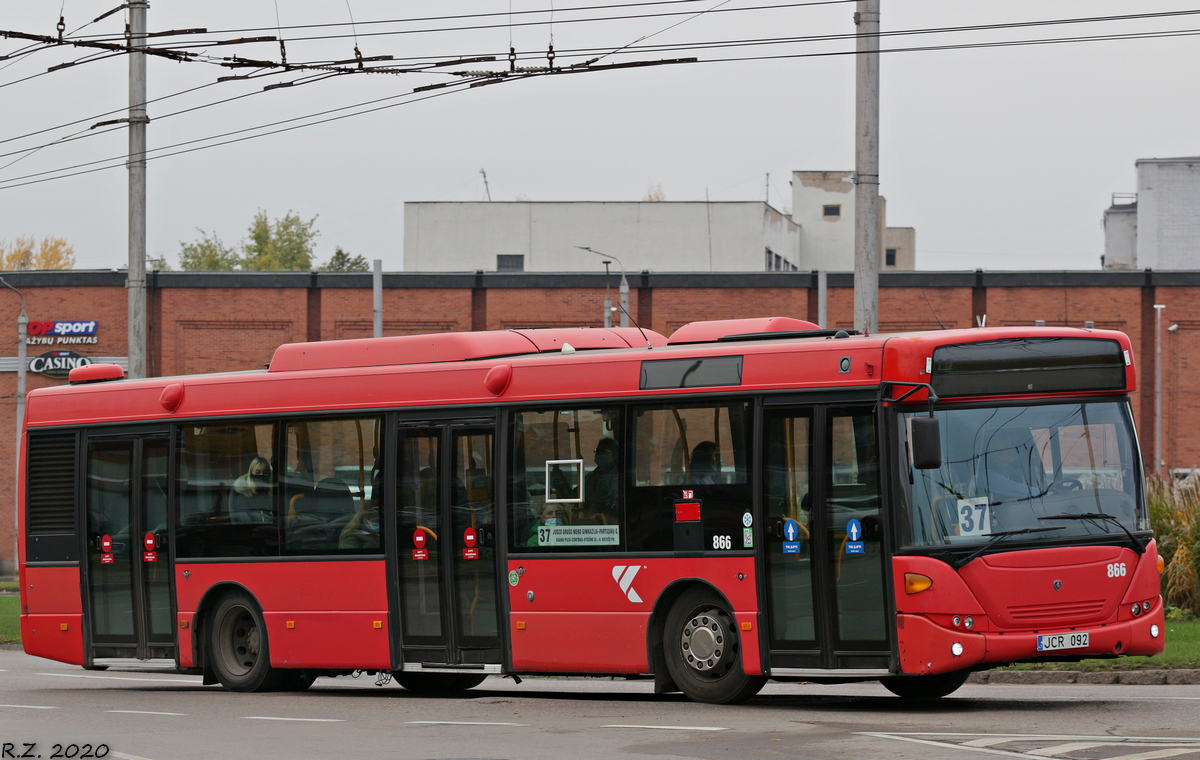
(1062, 470)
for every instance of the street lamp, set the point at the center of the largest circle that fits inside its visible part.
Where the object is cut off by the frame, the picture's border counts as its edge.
(624, 292)
(22, 331)
(1158, 460)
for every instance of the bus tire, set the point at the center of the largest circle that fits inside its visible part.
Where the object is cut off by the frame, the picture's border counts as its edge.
(438, 683)
(925, 687)
(702, 650)
(238, 648)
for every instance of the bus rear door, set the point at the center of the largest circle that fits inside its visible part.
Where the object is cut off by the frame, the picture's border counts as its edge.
(823, 553)
(446, 548)
(128, 570)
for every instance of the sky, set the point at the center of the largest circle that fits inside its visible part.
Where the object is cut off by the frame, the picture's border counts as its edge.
(1000, 157)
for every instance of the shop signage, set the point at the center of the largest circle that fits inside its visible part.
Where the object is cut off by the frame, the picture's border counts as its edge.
(59, 331)
(57, 364)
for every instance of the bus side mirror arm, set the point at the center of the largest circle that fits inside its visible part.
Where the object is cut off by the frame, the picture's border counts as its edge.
(925, 432)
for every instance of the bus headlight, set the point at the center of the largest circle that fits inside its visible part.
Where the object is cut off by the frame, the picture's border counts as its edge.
(956, 649)
(969, 622)
(957, 621)
(1137, 609)
(1154, 631)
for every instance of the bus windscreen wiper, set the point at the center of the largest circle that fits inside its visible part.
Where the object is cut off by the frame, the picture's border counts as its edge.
(998, 537)
(1136, 545)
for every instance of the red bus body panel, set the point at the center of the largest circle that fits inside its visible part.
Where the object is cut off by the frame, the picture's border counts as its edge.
(50, 600)
(333, 606)
(593, 615)
(1013, 597)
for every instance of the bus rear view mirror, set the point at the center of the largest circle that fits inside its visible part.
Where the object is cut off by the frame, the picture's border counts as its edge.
(926, 437)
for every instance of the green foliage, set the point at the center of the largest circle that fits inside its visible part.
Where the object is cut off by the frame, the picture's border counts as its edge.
(341, 261)
(1175, 515)
(208, 254)
(282, 245)
(10, 619)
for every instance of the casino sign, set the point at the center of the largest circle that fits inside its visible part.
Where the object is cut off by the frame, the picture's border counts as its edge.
(57, 364)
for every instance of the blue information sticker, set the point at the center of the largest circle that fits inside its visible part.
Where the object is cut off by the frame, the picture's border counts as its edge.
(791, 537)
(856, 547)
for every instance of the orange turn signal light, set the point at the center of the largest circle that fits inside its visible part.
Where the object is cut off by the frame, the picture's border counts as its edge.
(1162, 565)
(915, 583)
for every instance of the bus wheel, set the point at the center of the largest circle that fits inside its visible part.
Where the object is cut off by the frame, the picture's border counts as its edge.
(438, 683)
(703, 651)
(925, 687)
(238, 646)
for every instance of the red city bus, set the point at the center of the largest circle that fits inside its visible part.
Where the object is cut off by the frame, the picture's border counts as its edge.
(749, 500)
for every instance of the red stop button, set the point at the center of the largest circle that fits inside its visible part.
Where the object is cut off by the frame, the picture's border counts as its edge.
(419, 538)
(469, 537)
(106, 543)
(148, 540)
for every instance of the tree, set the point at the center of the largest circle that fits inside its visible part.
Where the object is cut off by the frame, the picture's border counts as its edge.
(341, 261)
(655, 194)
(208, 254)
(284, 244)
(25, 253)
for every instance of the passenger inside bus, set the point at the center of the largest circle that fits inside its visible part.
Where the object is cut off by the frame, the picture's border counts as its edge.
(250, 501)
(705, 464)
(601, 485)
(362, 532)
(552, 514)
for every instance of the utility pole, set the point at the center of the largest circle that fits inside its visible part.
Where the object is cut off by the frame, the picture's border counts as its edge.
(136, 38)
(1158, 460)
(607, 297)
(377, 297)
(22, 367)
(866, 169)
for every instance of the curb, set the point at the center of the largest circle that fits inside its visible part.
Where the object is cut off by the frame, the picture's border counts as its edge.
(1125, 677)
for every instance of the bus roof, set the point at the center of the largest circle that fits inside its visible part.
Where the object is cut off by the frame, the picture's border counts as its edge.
(525, 365)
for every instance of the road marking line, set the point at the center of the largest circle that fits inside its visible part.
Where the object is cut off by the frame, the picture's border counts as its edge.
(143, 712)
(1063, 749)
(123, 678)
(459, 723)
(674, 728)
(944, 745)
(1155, 754)
(988, 741)
(1077, 737)
(31, 707)
(306, 720)
(123, 756)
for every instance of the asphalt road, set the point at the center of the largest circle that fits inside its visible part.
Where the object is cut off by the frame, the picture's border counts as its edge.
(161, 716)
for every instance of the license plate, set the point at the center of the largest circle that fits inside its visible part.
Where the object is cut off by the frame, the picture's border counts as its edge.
(1050, 642)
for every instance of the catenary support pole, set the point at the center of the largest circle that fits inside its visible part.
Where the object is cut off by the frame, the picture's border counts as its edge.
(377, 293)
(866, 169)
(1158, 460)
(138, 340)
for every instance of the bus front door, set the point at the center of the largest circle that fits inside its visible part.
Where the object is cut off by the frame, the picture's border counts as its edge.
(128, 574)
(446, 550)
(823, 553)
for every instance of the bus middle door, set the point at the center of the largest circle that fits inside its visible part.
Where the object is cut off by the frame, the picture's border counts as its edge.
(445, 518)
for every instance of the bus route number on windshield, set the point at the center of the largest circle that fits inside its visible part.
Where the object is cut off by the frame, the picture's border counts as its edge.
(974, 518)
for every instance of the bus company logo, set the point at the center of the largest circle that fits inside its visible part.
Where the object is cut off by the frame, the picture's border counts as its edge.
(624, 575)
(57, 364)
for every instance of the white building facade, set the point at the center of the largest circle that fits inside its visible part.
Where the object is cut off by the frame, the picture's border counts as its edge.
(658, 236)
(1159, 226)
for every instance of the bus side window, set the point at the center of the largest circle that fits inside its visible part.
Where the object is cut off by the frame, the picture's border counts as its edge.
(565, 491)
(331, 507)
(697, 450)
(226, 502)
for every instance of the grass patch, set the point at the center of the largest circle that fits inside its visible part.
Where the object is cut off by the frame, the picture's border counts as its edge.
(1183, 651)
(10, 620)
(8, 585)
